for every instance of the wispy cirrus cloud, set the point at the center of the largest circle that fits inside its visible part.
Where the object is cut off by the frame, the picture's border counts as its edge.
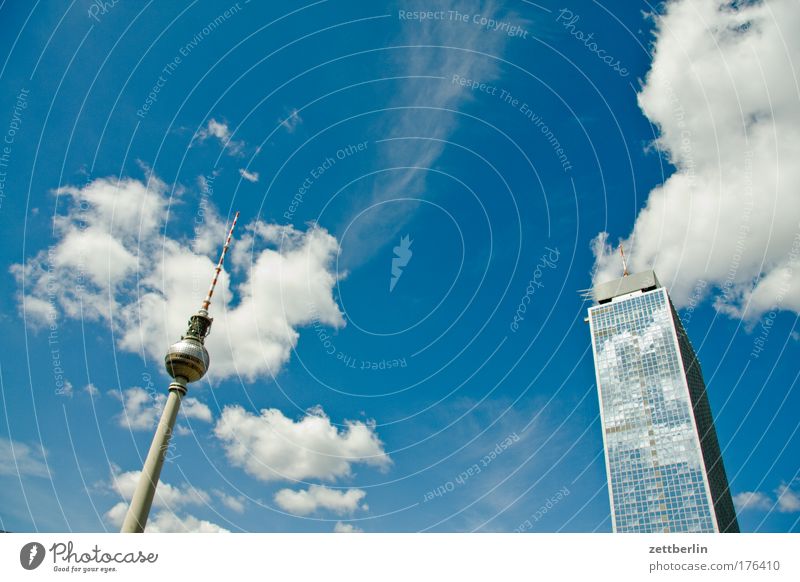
(436, 51)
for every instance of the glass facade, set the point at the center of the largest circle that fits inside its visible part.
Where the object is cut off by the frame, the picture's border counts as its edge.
(663, 460)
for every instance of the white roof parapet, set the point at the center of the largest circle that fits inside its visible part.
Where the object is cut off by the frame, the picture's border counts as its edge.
(644, 281)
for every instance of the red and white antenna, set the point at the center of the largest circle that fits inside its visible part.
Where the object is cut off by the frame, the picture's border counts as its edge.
(207, 300)
(624, 262)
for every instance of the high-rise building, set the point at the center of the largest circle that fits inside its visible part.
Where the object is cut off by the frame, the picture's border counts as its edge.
(663, 460)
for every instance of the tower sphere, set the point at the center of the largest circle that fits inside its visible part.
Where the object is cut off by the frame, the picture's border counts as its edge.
(187, 358)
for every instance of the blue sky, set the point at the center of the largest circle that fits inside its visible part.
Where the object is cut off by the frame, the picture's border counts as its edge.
(501, 140)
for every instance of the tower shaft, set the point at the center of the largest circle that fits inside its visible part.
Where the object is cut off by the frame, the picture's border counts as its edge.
(142, 499)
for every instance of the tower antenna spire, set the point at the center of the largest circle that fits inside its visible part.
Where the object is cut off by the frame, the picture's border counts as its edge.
(624, 262)
(217, 271)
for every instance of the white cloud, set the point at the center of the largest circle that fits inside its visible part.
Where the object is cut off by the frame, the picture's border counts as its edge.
(116, 515)
(17, 458)
(141, 409)
(233, 503)
(249, 176)
(292, 121)
(217, 129)
(752, 500)
(148, 284)
(423, 105)
(39, 310)
(346, 528)
(272, 447)
(788, 499)
(91, 390)
(721, 92)
(318, 497)
(193, 408)
(221, 131)
(65, 389)
(165, 521)
(97, 249)
(168, 498)
(166, 495)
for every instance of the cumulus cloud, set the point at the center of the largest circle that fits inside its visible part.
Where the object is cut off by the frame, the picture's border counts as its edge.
(234, 503)
(319, 497)
(17, 458)
(346, 528)
(141, 409)
(729, 121)
(754, 500)
(167, 500)
(112, 263)
(788, 499)
(66, 389)
(221, 131)
(249, 176)
(167, 522)
(270, 447)
(96, 252)
(193, 408)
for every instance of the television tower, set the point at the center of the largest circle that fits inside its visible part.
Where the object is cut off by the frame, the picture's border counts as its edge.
(186, 361)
